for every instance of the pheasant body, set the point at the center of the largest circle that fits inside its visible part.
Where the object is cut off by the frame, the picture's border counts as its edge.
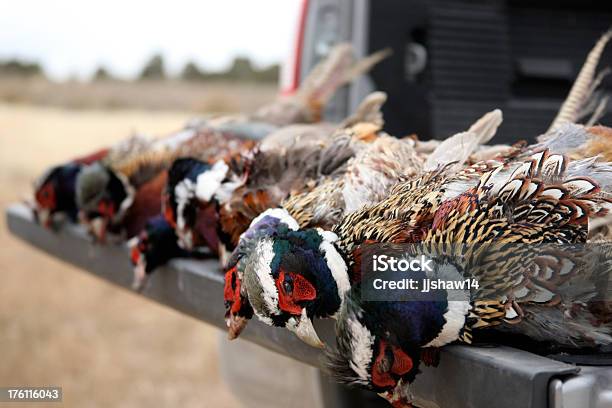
(508, 232)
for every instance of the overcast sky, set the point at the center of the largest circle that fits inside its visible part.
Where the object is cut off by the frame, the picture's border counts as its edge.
(74, 37)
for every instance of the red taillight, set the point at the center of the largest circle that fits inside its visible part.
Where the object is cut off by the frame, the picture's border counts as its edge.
(290, 76)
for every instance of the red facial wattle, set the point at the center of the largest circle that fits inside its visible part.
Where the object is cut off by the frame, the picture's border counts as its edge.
(231, 290)
(139, 250)
(402, 364)
(45, 197)
(106, 209)
(135, 255)
(301, 290)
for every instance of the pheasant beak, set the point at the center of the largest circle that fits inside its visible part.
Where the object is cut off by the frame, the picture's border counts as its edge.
(185, 239)
(304, 329)
(140, 276)
(140, 266)
(44, 217)
(98, 228)
(235, 325)
(400, 396)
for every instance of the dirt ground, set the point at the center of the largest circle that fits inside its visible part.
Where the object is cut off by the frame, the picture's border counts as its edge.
(59, 326)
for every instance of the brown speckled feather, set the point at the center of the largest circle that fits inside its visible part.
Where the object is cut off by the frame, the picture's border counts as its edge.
(599, 145)
(276, 174)
(533, 207)
(376, 167)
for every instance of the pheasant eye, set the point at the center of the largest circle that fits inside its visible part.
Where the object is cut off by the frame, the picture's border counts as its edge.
(46, 196)
(288, 284)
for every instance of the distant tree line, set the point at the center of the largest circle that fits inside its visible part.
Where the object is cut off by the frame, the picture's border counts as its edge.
(241, 69)
(20, 68)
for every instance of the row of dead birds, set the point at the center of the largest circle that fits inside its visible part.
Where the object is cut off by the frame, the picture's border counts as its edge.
(287, 202)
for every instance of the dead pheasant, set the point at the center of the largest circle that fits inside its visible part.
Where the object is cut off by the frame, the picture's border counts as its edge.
(368, 178)
(512, 233)
(120, 193)
(154, 246)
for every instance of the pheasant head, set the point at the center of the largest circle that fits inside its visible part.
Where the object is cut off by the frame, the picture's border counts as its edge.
(292, 276)
(103, 197)
(54, 193)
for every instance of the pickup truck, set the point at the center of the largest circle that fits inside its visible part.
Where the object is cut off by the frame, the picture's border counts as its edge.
(452, 61)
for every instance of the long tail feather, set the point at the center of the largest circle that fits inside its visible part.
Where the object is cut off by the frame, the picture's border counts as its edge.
(583, 88)
(335, 71)
(459, 147)
(369, 110)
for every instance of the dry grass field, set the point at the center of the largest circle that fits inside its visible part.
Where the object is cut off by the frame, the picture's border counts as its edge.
(59, 326)
(211, 96)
